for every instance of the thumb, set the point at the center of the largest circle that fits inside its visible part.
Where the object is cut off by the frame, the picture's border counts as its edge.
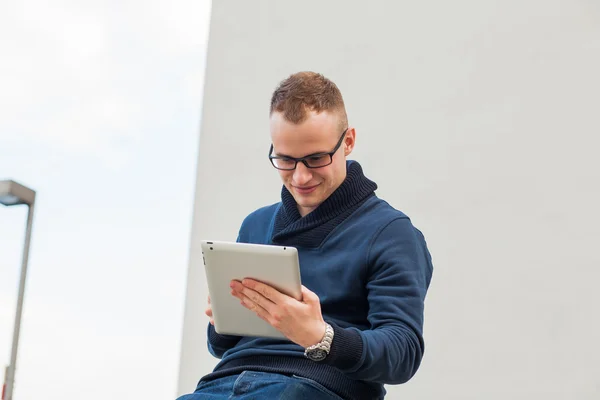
(309, 297)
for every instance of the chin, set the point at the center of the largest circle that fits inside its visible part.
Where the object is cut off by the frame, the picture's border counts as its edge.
(306, 200)
(306, 204)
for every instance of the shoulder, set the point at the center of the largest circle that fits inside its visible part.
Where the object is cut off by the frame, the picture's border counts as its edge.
(397, 238)
(380, 213)
(256, 226)
(391, 224)
(261, 214)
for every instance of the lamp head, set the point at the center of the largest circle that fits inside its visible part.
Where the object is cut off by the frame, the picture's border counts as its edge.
(13, 193)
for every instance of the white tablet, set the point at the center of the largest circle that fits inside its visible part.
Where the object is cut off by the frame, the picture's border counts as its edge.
(277, 266)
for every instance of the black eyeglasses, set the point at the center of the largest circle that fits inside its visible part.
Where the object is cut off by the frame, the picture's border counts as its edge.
(316, 160)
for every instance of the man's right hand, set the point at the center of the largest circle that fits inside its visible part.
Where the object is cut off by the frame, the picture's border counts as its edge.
(208, 312)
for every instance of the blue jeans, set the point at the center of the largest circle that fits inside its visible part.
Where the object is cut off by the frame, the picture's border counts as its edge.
(260, 385)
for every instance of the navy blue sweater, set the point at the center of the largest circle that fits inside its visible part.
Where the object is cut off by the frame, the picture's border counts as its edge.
(370, 268)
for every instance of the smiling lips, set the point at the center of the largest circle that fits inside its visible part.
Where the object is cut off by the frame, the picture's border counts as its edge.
(305, 190)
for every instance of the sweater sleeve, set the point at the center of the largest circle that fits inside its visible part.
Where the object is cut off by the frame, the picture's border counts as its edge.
(399, 272)
(218, 344)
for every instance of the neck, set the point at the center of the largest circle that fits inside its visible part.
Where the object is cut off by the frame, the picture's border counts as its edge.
(304, 211)
(295, 225)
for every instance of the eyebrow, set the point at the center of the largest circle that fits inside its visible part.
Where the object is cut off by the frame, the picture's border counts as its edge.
(306, 156)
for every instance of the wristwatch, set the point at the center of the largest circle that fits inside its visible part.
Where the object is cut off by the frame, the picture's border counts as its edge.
(319, 351)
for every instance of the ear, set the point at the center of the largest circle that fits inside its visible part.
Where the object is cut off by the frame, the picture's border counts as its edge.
(349, 141)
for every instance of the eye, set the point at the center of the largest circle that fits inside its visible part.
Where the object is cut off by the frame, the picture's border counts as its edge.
(284, 162)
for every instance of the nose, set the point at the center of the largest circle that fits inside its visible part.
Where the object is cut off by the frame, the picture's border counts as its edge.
(302, 174)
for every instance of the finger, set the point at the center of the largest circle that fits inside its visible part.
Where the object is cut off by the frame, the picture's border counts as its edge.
(309, 297)
(236, 288)
(258, 299)
(209, 299)
(208, 312)
(237, 294)
(256, 308)
(236, 285)
(212, 321)
(265, 291)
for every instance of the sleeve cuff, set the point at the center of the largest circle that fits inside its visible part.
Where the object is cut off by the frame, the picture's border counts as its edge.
(346, 348)
(220, 341)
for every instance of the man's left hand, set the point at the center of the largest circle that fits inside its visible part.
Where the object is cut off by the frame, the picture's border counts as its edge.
(300, 321)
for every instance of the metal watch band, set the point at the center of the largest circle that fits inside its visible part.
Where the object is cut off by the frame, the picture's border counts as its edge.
(324, 344)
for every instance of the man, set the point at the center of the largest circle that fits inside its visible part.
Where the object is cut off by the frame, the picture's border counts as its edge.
(365, 269)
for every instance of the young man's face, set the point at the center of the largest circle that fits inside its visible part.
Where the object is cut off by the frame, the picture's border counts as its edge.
(319, 133)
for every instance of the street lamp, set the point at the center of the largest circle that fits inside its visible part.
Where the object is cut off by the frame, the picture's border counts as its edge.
(12, 194)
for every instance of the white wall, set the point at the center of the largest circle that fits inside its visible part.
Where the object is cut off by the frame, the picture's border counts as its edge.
(480, 120)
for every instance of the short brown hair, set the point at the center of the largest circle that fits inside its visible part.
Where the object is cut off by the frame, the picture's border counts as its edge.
(307, 91)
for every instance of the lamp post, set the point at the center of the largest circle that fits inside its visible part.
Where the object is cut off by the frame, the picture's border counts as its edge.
(12, 194)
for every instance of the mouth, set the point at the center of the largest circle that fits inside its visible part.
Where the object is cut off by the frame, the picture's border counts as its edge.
(305, 189)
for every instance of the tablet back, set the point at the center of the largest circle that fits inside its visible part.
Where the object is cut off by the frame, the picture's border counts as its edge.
(277, 266)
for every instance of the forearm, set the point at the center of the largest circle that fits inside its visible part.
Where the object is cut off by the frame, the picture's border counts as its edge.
(389, 355)
(399, 272)
(219, 344)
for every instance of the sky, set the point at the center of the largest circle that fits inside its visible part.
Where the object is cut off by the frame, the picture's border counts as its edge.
(100, 106)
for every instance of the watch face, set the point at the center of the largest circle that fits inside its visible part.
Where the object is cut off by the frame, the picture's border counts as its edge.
(317, 354)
